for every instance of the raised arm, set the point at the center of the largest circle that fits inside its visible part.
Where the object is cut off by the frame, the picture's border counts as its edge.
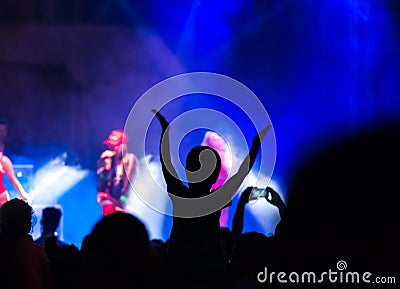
(8, 168)
(237, 224)
(169, 172)
(233, 183)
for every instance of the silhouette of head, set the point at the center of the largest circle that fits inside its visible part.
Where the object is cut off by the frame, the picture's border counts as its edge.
(203, 165)
(119, 244)
(15, 218)
(50, 219)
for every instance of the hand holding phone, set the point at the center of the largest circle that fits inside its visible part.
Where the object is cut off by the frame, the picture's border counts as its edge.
(274, 198)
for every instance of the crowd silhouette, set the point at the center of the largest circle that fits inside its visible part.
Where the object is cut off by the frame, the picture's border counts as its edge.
(340, 207)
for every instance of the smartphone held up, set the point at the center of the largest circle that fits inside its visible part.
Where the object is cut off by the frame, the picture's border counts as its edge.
(257, 193)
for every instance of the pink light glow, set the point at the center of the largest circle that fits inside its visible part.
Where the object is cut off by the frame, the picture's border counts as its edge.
(217, 142)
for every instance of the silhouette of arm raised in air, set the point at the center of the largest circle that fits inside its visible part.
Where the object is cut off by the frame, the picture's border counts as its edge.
(169, 172)
(233, 183)
(237, 224)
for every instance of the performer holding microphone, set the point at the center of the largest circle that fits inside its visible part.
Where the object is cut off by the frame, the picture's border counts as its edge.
(116, 167)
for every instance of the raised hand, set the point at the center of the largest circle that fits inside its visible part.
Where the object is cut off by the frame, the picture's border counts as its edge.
(261, 134)
(26, 197)
(275, 199)
(237, 224)
(107, 154)
(245, 196)
(164, 123)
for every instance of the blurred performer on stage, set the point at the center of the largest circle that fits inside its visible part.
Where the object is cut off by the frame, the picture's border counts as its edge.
(217, 142)
(6, 168)
(116, 168)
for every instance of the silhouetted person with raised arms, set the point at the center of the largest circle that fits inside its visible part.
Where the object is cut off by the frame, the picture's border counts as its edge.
(195, 251)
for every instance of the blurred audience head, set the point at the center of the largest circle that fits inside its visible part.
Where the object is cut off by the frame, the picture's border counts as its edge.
(119, 243)
(15, 218)
(51, 219)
